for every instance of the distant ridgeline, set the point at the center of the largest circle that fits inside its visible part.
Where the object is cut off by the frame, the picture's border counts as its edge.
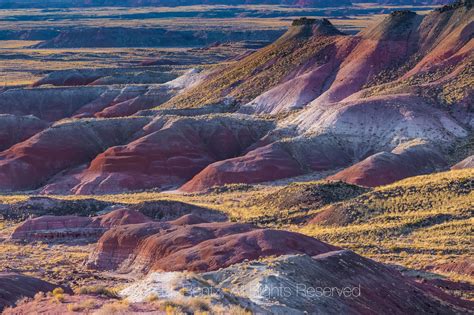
(5, 4)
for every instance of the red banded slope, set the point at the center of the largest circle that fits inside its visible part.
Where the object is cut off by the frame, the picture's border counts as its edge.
(172, 150)
(195, 246)
(339, 134)
(307, 43)
(74, 227)
(378, 92)
(387, 167)
(406, 79)
(29, 164)
(55, 103)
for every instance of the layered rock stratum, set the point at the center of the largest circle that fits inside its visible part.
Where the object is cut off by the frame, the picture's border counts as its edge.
(192, 244)
(51, 228)
(390, 102)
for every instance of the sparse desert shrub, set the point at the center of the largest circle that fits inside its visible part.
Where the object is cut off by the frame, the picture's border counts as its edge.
(198, 305)
(58, 295)
(82, 306)
(152, 298)
(99, 290)
(58, 291)
(229, 310)
(238, 310)
(120, 307)
(171, 308)
(184, 291)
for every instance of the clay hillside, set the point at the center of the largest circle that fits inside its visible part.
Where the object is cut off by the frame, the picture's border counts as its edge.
(391, 102)
(328, 172)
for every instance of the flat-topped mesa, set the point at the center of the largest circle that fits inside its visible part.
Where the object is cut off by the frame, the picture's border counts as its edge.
(402, 14)
(303, 21)
(315, 27)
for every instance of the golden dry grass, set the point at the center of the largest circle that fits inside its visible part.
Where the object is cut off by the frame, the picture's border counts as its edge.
(418, 222)
(51, 262)
(17, 43)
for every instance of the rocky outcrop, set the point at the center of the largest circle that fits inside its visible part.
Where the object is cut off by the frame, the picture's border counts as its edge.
(322, 65)
(54, 228)
(444, 38)
(14, 286)
(309, 45)
(333, 283)
(404, 48)
(185, 245)
(385, 44)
